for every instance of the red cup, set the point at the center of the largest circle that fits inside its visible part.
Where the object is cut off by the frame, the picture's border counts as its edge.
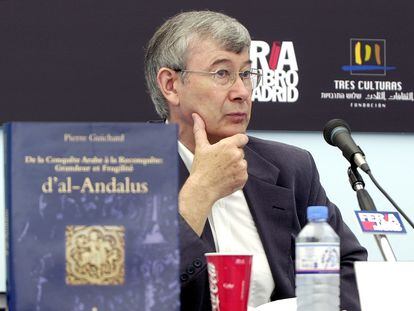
(229, 279)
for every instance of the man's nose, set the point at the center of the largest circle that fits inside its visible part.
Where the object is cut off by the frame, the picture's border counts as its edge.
(240, 90)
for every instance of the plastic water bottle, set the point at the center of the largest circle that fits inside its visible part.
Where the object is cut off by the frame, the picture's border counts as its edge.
(317, 264)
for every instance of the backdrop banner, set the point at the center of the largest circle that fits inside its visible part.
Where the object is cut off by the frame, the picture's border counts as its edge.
(82, 60)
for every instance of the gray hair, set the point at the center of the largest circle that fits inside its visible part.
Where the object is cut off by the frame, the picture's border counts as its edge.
(170, 44)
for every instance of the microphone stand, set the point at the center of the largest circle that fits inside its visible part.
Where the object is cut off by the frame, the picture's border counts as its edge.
(367, 204)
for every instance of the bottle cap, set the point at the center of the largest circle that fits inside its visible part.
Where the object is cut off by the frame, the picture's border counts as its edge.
(317, 212)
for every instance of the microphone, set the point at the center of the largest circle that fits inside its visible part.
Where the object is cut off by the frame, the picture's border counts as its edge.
(338, 133)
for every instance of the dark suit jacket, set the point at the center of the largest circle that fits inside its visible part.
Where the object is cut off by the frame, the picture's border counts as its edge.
(283, 181)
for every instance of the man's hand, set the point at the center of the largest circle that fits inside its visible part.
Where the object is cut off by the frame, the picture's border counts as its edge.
(220, 168)
(217, 171)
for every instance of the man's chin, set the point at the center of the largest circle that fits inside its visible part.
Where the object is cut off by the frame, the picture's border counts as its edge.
(217, 136)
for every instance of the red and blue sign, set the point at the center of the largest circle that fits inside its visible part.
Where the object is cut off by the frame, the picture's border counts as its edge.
(380, 222)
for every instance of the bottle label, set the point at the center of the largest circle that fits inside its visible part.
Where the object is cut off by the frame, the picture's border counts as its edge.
(319, 257)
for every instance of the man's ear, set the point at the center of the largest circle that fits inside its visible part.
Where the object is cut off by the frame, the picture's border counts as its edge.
(166, 79)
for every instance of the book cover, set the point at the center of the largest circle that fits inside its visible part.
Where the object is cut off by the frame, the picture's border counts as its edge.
(93, 218)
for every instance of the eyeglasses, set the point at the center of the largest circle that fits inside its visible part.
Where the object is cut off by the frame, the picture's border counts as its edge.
(226, 78)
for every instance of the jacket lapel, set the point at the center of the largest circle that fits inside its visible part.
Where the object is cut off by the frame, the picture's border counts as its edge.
(271, 207)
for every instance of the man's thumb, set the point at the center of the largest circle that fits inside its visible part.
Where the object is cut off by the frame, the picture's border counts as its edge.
(199, 131)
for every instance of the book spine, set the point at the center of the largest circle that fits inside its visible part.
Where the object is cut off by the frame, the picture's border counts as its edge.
(8, 197)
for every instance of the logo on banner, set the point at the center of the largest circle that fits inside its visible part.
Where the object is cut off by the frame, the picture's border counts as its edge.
(380, 222)
(280, 71)
(368, 57)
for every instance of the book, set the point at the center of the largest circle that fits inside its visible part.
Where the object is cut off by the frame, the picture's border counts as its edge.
(92, 216)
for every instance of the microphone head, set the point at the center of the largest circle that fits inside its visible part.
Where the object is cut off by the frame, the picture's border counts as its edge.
(329, 129)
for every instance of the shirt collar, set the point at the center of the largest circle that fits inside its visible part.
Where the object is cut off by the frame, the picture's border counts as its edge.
(186, 155)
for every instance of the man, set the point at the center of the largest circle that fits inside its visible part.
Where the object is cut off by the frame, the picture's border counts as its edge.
(238, 194)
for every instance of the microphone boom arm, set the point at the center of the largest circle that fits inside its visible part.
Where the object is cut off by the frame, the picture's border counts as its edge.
(367, 204)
